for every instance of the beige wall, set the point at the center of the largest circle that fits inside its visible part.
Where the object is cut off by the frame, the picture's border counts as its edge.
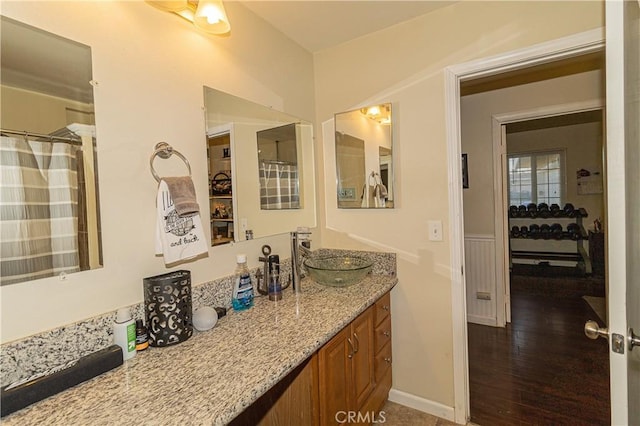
(151, 67)
(409, 59)
(477, 138)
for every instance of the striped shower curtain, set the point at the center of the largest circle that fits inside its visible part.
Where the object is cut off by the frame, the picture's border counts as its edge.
(279, 187)
(38, 209)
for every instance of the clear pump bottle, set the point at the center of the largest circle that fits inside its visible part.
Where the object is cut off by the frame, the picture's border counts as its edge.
(242, 297)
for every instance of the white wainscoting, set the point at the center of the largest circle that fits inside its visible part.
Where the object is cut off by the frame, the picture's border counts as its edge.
(480, 274)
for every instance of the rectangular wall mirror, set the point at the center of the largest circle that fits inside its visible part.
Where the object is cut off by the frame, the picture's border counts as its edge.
(261, 169)
(364, 158)
(49, 211)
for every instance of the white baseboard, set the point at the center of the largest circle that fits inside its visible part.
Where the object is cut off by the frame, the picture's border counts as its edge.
(476, 319)
(421, 404)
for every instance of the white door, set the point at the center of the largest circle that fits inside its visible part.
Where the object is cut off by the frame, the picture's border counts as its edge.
(623, 205)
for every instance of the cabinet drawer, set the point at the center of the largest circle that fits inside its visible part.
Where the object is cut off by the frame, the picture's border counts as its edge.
(383, 308)
(383, 334)
(383, 362)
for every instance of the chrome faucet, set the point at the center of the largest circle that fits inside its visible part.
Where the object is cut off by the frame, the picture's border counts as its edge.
(300, 249)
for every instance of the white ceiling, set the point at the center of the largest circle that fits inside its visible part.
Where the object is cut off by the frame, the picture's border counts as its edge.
(318, 25)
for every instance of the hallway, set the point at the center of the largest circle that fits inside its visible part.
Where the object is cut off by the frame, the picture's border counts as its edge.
(541, 369)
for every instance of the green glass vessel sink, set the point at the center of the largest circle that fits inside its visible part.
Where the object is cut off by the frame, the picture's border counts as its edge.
(338, 271)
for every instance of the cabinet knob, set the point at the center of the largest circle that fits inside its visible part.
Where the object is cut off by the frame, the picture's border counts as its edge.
(388, 360)
(357, 348)
(385, 307)
(351, 351)
(386, 333)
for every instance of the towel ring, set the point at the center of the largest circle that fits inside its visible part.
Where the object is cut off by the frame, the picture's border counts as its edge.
(164, 151)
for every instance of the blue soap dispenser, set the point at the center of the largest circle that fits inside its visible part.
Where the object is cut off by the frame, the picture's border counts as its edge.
(242, 297)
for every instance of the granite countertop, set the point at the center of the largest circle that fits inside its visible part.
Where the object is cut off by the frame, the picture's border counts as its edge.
(217, 374)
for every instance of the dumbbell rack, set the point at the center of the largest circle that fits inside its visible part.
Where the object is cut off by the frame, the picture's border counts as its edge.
(563, 251)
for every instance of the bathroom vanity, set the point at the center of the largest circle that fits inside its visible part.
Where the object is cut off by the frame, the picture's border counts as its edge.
(326, 349)
(349, 373)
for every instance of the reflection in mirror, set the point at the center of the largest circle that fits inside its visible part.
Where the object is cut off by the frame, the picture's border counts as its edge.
(49, 213)
(269, 165)
(278, 162)
(364, 157)
(221, 190)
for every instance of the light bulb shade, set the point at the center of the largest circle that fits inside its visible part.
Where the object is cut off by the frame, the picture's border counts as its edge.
(211, 17)
(169, 6)
(373, 111)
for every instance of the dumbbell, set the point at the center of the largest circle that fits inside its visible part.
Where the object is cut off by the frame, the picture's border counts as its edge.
(543, 210)
(545, 231)
(568, 210)
(522, 211)
(556, 231)
(574, 231)
(534, 231)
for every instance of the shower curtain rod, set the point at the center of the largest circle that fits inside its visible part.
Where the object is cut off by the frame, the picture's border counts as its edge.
(51, 138)
(279, 162)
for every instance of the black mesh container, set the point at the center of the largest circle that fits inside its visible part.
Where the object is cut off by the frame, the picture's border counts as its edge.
(167, 302)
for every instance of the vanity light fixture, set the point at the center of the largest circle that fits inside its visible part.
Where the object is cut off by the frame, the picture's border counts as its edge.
(207, 15)
(379, 113)
(373, 111)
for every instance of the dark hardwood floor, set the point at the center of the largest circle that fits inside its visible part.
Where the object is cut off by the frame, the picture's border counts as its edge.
(541, 369)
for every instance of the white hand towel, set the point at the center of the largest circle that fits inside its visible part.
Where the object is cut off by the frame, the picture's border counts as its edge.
(177, 238)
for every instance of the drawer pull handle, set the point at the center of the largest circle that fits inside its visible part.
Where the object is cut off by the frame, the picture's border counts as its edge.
(351, 351)
(388, 360)
(357, 348)
(386, 333)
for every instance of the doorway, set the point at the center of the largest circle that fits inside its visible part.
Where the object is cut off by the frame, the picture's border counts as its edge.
(539, 366)
(484, 70)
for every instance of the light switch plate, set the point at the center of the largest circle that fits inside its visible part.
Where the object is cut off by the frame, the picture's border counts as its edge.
(435, 230)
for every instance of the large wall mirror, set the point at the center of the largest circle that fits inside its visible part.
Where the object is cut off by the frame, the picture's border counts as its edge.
(261, 169)
(49, 212)
(364, 157)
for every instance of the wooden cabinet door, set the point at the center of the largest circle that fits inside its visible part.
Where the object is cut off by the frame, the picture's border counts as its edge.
(363, 381)
(335, 377)
(293, 401)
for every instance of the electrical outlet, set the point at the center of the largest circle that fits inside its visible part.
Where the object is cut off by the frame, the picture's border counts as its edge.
(483, 295)
(435, 230)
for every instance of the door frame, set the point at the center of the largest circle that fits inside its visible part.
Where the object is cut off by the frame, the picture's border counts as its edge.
(500, 173)
(563, 48)
(624, 384)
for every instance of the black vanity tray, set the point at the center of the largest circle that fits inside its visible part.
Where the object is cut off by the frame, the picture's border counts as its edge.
(14, 397)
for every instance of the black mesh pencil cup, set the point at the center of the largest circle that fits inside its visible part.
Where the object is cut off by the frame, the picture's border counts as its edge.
(167, 301)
